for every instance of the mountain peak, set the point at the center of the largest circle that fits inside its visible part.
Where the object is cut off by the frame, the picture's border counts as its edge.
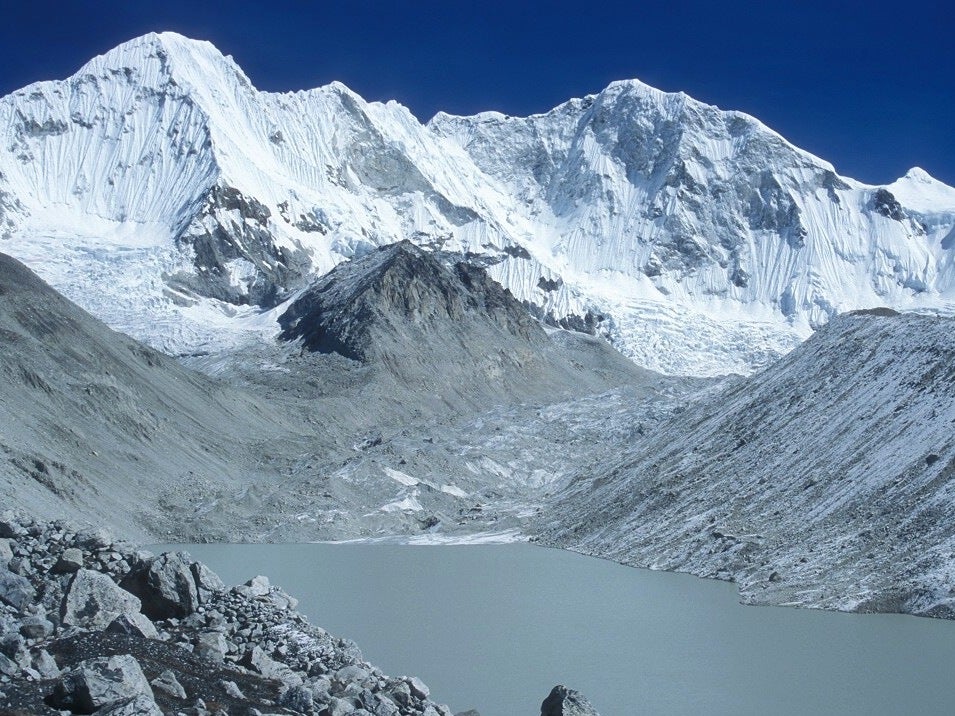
(158, 57)
(402, 300)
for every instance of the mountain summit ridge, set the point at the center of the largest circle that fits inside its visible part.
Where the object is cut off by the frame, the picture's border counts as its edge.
(162, 191)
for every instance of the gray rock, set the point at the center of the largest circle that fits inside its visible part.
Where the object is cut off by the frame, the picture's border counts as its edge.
(339, 707)
(6, 552)
(352, 674)
(297, 698)
(165, 585)
(46, 665)
(36, 627)
(136, 624)
(12, 645)
(566, 702)
(258, 586)
(141, 705)
(16, 590)
(232, 689)
(10, 526)
(261, 662)
(169, 685)
(469, 712)
(281, 600)
(103, 681)
(207, 581)
(418, 688)
(399, 692)
(8, 667)
(211, 645)
(95, 539)
(94, 600)
(70, 561)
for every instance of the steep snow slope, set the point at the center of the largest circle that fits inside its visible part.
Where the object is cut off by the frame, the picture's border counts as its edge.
(824, 481)
(163, 192)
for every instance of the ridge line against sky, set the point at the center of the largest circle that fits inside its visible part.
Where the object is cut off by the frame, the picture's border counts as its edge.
(868, 86)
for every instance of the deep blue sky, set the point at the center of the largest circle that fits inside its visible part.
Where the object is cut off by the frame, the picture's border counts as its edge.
(868, 85)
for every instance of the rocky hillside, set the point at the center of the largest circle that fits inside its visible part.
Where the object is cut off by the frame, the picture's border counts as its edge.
(825, 481)
(164, 193)
(445, 331)
(95, 424)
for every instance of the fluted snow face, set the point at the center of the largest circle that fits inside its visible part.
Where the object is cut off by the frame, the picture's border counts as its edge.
(160, 189)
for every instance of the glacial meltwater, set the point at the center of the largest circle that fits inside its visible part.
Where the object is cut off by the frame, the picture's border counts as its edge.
(494, 627)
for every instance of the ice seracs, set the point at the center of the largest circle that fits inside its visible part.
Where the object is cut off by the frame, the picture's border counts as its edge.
(159, 189)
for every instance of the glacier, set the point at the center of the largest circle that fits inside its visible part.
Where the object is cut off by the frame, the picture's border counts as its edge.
(161, 191)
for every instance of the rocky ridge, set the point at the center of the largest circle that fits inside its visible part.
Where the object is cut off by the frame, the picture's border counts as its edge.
(89, 625)
(825, 480)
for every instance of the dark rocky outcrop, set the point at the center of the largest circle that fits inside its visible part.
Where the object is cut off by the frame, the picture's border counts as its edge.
(397, 300)
(232, 227)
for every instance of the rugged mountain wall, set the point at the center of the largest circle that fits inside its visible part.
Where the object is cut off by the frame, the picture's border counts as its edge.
(825, 481)
(159, 189)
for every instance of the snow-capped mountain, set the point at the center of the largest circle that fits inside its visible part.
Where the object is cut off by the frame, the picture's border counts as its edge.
(161, 191)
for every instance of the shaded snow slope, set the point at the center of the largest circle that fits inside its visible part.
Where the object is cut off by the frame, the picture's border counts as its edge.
(825, 481)
(159, 189)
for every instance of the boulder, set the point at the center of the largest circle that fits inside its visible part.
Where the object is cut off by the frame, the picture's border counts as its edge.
(207, 581)
(418, 688)
(10, 526)
(94, 600)
(133, 624)
(16, 590)
(211, 645)
(352, 674)
(8, 667)
(256, 659)
(36, 627)
(169, 685)
(97, 683)
(70, 561)
(12, 645)
(6, 551)
(258, 586)
(566, 702)
(141, 705)
(297, 698)
(100, 538)
(45, 665)
(165, 585)
(339, 707)
(232, 689)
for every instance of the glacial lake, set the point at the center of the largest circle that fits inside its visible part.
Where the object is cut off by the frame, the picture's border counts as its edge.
(495, 627)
